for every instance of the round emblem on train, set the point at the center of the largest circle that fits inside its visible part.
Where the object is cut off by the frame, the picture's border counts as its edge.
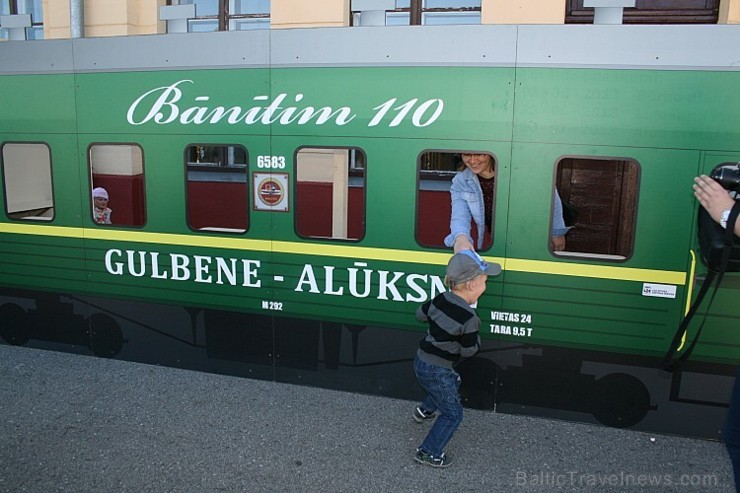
(270, 192)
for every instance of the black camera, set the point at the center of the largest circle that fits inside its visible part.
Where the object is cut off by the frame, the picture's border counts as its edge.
(728, 175)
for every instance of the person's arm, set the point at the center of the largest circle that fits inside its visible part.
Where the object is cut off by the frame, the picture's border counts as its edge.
(460, 218)
(557, 240)
(462, 242)
(421, 312)
(715, 199)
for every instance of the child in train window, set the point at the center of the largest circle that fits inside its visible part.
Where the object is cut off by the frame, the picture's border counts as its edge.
(101, 212)
(119, 169)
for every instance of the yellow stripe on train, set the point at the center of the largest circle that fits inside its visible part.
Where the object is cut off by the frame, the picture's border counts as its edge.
(346, 251)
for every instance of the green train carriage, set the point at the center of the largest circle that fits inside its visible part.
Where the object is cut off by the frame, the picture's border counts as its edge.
(288, 189)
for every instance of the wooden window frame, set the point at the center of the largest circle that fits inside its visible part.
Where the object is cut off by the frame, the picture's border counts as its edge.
(618, 245)
(224, 16)
(650, 12)
(416, 11)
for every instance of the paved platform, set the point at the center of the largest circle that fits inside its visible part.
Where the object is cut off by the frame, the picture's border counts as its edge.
(85, 424)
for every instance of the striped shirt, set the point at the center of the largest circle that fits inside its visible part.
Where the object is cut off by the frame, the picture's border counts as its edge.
(453, 330)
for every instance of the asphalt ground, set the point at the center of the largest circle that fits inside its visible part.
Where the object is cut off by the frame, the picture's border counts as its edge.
(85, 424)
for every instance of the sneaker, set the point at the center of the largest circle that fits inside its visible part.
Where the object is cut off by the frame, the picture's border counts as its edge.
(430, 460)
(420, 415)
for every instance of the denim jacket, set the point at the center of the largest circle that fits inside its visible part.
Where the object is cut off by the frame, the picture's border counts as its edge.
(467, 203)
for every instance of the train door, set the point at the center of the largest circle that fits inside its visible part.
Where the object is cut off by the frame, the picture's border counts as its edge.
(340, 291)
(40, 219)
(436, 170)
(42, 239)
(718, 335)
(616, 291)
(354, 259)
(703, 379)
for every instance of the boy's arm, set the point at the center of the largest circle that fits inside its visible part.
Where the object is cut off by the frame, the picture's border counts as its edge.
(470, 339)
(421, 312)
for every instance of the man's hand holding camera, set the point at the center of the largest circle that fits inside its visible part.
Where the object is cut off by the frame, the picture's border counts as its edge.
(715, 199)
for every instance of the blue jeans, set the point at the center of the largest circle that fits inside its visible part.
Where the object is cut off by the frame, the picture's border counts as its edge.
(443, 394)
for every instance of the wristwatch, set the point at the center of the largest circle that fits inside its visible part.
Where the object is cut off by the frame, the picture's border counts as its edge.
(724, 217)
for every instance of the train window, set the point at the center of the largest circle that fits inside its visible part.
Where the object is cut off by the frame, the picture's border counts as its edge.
(217, 190)
(330, 193)
(27, 178)
(117, 184)
(434, 205)
(600, 201)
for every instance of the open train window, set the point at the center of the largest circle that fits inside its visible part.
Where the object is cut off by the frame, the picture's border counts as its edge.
(434, 205)
(27, 178)
(600, 197)
(216, 189)
(117, 184)
(330, 193)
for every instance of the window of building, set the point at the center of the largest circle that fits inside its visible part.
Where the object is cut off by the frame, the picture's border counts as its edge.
(600, 196)
(117, 175)
(652, 12)
(330, 193)
(27, 179)
(228, 15)
(33, 7)
(434, 207)
(434, 12)
(217, 190)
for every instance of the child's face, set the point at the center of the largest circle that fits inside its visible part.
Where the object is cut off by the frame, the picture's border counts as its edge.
(100, 202)
(472, 289)
(478, 287)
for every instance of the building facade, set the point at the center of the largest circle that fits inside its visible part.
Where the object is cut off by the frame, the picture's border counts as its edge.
(50, 19)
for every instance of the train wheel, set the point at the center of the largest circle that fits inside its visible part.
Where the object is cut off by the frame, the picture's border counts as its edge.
(106, 338)
(14, 324)
(620, 400)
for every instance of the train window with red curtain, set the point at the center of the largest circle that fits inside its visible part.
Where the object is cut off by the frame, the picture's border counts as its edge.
(117, 184)
(217, 191)
(599, 197)
(330, 193)
(434, 205)
(27, 178)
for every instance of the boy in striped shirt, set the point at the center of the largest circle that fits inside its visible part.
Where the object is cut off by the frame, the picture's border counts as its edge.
(452, 335)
